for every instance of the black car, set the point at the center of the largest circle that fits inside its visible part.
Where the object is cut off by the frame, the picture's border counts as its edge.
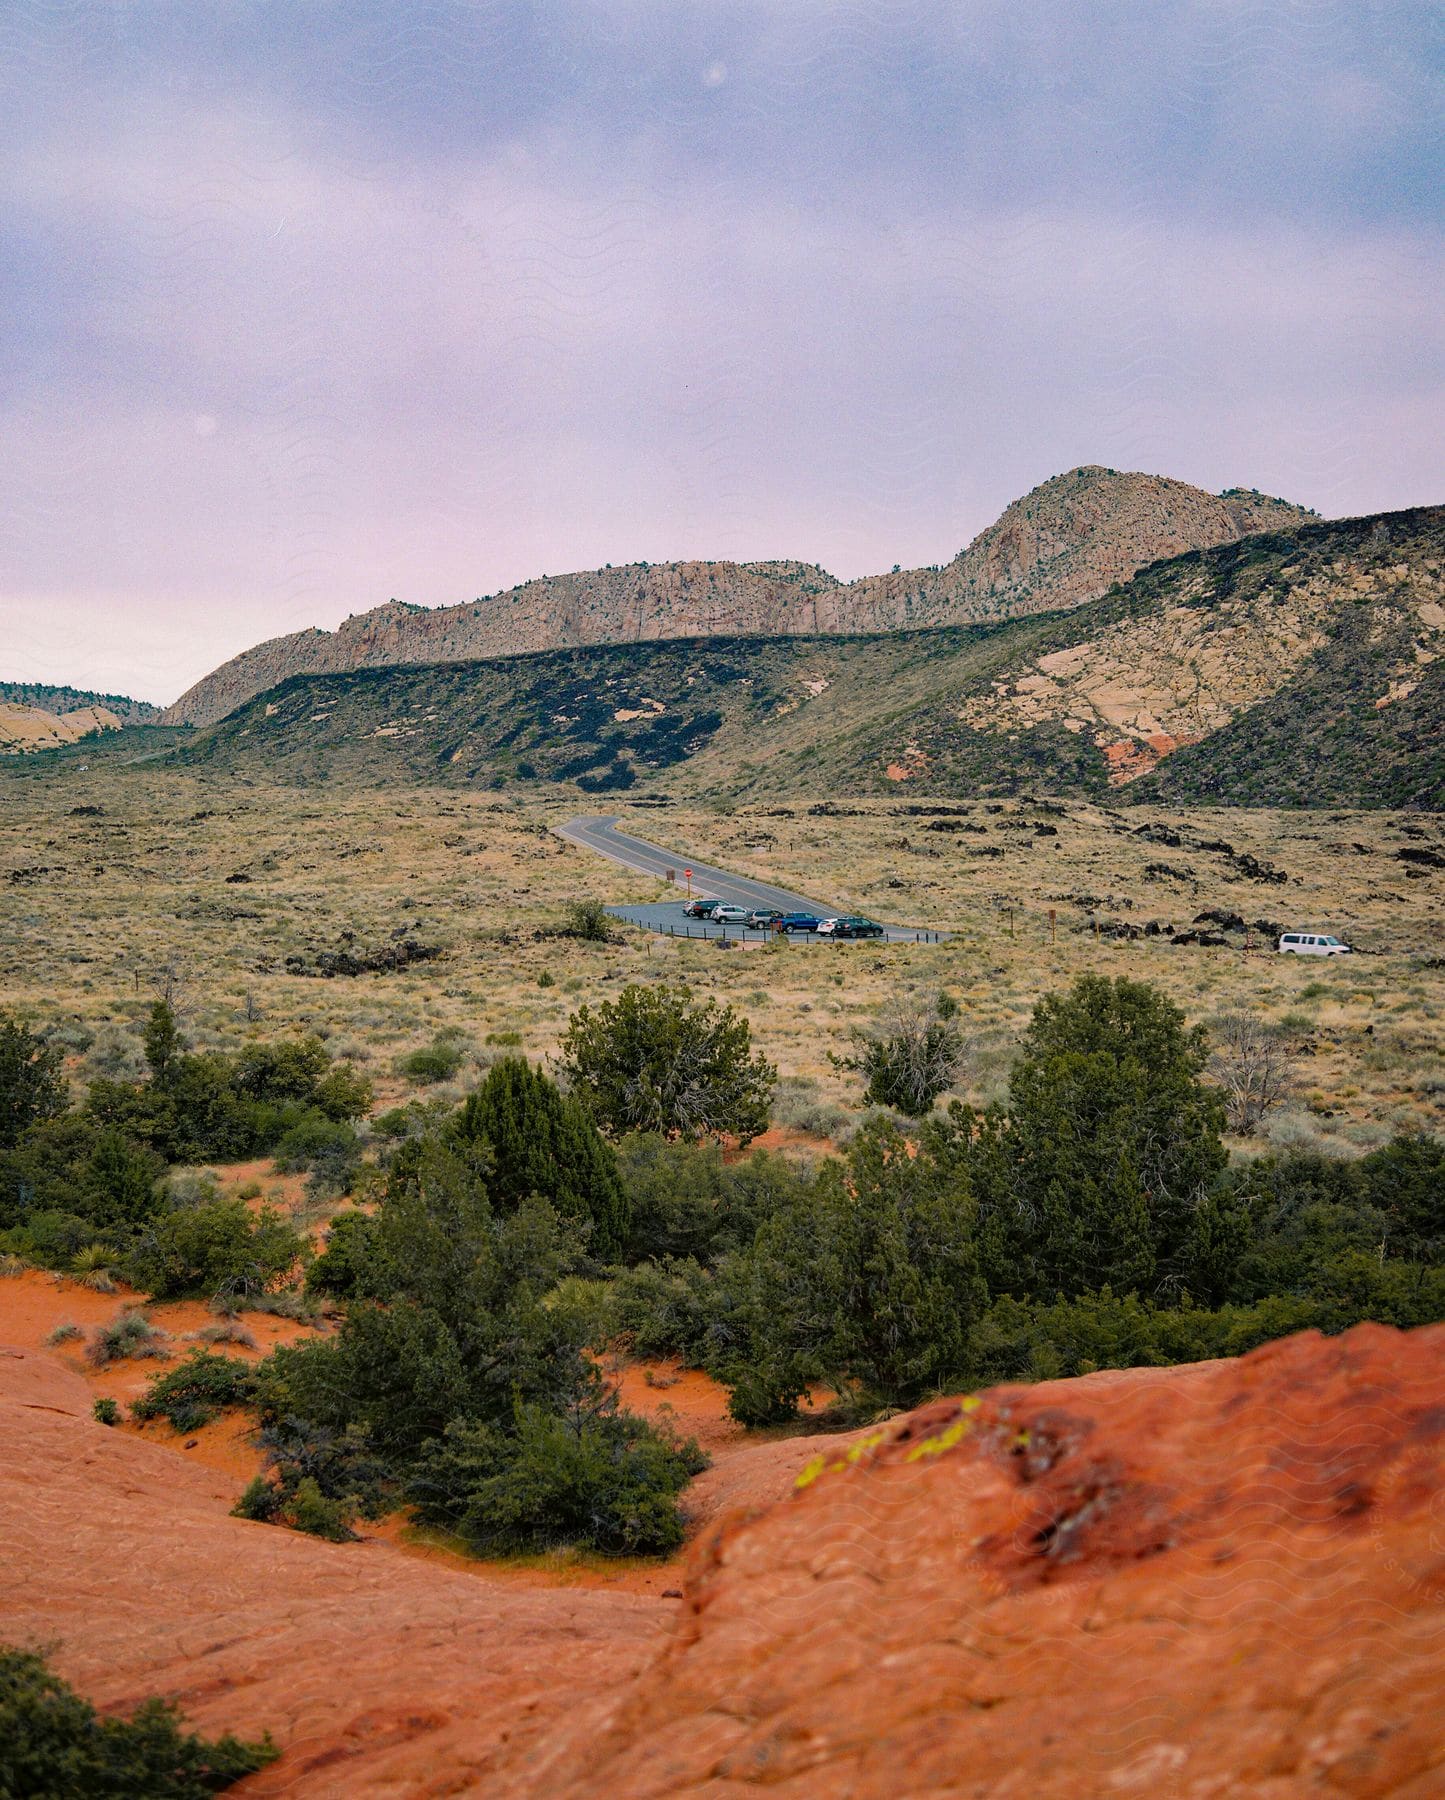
(857, 928)
(698, 908)
(799, 922)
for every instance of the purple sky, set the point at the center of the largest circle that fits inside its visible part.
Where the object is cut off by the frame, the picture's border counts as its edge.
(313, 303)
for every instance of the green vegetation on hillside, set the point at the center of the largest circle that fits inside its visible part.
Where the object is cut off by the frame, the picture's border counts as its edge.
(752, 717)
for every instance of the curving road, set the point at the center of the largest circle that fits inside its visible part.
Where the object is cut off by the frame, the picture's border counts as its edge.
(603, 837)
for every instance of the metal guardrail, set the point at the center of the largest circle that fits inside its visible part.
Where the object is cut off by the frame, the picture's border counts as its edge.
(761, 934)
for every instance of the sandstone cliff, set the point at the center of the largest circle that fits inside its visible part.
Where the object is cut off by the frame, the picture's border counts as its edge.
(24, 728)
(1204, 1581)
(1062, 544)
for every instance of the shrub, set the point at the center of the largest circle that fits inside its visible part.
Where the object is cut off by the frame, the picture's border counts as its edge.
(312, 1512)
(654, 1060)
(215, 1250)
(92, 1267)
(913, 1055)
(191, 1394)
(671, 1308)
(129, 1334)
(589, 920)
(328, 1148)
(340, 1270)
(282, 1071)
(56, 1745)
(1252, 1067)
(105, 1411)
(596, 1476)
(541, 1141)
(32, 1086)
(436, 1062)
(65, 1333)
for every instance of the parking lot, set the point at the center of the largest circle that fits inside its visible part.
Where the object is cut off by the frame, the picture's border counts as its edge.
(668, 916)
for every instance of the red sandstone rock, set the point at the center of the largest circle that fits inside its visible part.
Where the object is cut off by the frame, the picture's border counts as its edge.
(1206, 1582)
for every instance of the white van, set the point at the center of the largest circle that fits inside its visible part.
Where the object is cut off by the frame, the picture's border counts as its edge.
(1304, 943)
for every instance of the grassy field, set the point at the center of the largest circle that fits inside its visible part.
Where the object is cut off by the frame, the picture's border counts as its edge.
(116, 876)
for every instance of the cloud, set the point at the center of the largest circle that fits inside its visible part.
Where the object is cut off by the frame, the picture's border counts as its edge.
(423, 308)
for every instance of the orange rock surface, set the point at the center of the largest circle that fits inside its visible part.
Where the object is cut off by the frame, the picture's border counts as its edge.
(1220, 1580)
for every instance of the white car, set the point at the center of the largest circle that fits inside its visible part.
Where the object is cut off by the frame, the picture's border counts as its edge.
(826, 927)
(731, 915)
(1304, 943)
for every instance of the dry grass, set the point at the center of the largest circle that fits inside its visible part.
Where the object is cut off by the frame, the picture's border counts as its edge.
(99, 907)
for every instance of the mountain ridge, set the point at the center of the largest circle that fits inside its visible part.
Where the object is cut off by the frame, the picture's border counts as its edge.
(1062, 544)
(1330, 638)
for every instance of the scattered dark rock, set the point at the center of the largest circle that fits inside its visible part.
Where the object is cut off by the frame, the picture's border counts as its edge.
(954, 825)
(1429, 859)
(87, 812)
(1218, 846)
(1167, 872)
(383, 960)
(1042, 830)
(1226, 921)
(1207, 938)
(1159, 834)
(237, 878)
(1257, 869)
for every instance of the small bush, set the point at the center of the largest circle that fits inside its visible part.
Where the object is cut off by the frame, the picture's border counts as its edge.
(129, 1335)
(191, 1394)
(57, 1747)
(217, 1249)
(64, 1333)
(436, 1062)
(312, 1512)
(92, 1267)
(590, 921)
(105, 1411)
(599, 1478)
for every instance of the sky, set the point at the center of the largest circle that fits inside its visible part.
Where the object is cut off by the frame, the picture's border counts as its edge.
(309, 304)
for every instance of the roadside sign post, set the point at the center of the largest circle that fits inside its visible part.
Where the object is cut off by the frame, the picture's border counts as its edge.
(688, 874)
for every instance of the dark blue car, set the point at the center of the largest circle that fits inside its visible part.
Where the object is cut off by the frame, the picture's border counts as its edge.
(799, 922)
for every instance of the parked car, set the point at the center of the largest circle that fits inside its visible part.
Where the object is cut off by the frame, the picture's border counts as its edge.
(855, 927)
(1304, 943)
(799, 922)
(731, 915)
(765, 917)
(698, 908)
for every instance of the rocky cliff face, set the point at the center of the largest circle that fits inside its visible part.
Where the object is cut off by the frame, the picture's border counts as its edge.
(1064, 543)
(1206, 1581)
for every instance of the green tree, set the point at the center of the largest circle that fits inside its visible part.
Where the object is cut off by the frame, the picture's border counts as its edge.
(164, 1045)
(32, 1087)
(868, 1279)
(1110, 1145)
(541, 1141)
(656, 1060)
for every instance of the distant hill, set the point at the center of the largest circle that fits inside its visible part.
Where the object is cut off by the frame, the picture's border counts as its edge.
(36, 716)
(1294, 667)
(58, 700)
(1061, 545)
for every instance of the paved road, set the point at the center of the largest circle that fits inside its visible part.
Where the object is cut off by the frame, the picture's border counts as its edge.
(602, 836)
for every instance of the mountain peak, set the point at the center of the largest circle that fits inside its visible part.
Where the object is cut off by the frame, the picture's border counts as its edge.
(1065, 542)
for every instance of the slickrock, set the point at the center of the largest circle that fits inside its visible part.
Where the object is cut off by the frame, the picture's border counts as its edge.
(1202, 1582)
